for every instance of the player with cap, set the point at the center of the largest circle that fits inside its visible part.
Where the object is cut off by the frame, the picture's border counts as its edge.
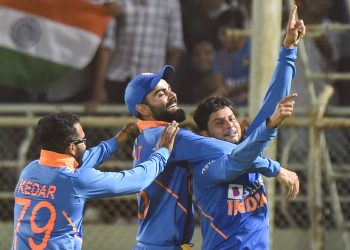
(167, 202)
(165, 208)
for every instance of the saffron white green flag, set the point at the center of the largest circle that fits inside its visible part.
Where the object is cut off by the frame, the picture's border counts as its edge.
(42, 40)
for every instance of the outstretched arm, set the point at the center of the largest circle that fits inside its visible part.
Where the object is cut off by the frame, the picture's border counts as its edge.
(247, 149)
(281, 81)
(92, 183)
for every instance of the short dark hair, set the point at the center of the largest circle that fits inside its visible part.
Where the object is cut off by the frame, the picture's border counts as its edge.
(56, 130)
(231, 18)
(209, 106)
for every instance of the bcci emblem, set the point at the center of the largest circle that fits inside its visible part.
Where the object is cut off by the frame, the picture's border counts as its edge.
(235, 191)
(26, 32)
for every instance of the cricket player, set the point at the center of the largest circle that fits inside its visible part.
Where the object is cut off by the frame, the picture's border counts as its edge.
(233, 211)
(165, 207)
(51, 192)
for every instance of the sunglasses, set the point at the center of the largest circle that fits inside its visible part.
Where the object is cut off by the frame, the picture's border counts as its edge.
(76, 142)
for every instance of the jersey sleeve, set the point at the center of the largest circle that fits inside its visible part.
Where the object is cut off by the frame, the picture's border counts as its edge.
(225, 169)
(194, 148)
(279, 86)
(243, 158)
(95, 156)
(266, 167)
(92, 183)
(247, 151)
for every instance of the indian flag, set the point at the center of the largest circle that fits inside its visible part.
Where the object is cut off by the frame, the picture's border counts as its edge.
(43, 40)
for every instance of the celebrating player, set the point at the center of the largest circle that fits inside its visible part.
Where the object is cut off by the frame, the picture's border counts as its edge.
(51, 192)
(168, 200)
(233, 211)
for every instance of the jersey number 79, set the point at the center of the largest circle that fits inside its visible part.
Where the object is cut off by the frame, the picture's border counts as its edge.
(46, 229)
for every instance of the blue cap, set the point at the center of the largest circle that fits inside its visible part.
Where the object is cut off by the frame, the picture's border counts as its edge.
(143, 84)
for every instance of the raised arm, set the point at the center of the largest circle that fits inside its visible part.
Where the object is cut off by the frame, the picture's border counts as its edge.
(284, 72)
(249, 148)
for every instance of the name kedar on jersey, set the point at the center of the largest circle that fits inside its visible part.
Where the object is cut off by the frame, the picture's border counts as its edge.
(36, 189)
(237, 202)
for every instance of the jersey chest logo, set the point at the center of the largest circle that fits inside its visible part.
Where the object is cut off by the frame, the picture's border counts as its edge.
(235, 191)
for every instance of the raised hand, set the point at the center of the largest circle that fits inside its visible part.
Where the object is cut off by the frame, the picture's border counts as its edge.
(291, 180)
(127, 133)
(295, 29)
(168, 136)
(283, 110)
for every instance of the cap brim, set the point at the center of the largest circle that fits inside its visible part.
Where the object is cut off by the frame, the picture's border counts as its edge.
(168, 73)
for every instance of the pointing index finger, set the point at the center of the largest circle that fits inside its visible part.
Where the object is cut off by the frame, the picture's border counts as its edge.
(292, 16)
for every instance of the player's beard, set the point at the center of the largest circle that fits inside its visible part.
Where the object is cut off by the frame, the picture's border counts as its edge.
(162, 114)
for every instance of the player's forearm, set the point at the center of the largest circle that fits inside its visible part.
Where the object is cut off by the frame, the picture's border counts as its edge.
(247, 151)
(142, 174)
(147, 171)
(224, 169)
(93, 183)
(279, 86)
(95, 156)
(266, 167)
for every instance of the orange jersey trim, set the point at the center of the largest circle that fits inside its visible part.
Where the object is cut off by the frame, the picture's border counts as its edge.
(183, 208)
(70, 221)
(143, 215)
(142, 125)
(56, 160)
(212, 223)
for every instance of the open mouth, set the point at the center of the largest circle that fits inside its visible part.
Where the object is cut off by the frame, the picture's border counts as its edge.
(172, 105)
(232, 133)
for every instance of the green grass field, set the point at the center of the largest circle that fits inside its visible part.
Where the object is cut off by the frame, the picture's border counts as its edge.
(121, 236)
(117, 236)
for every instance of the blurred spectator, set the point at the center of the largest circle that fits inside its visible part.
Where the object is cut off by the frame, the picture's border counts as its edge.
(232, 58)
(199, 19)
(148, 35)
(80, 82)
(196, 78)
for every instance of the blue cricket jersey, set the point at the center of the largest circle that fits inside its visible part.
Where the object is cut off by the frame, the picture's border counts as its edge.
(233, 211)
(51, 193)
(165, 209)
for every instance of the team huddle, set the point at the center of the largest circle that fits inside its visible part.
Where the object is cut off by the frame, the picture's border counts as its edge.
(221, 167)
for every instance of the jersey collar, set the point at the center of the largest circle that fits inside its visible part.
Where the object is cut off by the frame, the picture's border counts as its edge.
(56, 160)
(142, 125)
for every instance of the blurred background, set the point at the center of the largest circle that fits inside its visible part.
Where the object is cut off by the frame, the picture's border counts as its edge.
(78, 56)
